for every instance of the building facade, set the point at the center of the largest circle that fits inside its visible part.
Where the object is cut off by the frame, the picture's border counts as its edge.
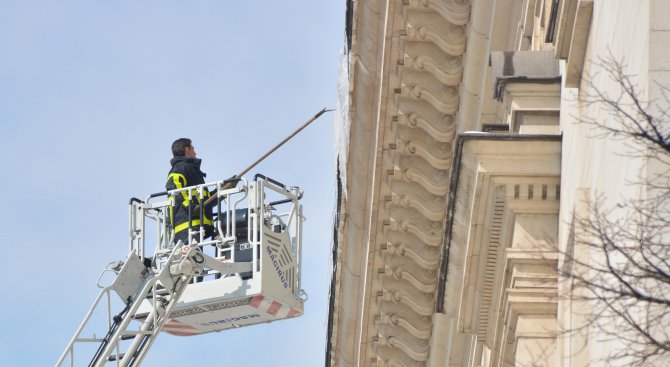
(467, 151)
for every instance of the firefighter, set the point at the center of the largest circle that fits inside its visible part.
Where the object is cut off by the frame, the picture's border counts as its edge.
(186, 172)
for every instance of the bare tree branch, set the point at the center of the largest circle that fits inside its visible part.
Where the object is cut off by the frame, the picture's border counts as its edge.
(627, 278)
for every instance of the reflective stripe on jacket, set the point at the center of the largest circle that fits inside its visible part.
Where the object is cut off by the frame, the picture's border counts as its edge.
(186, 172)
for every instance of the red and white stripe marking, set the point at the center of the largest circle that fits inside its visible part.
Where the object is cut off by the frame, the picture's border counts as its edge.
(273, 308)
(176, 327)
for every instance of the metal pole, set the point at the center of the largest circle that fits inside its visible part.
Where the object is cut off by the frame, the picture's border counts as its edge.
(259, 160)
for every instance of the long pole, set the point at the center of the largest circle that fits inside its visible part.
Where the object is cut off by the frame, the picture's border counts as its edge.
(259, 160)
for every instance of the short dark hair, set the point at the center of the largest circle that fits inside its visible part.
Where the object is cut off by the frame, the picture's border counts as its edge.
(179, 146)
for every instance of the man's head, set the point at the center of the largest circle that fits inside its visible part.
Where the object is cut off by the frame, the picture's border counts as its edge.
(183, 147)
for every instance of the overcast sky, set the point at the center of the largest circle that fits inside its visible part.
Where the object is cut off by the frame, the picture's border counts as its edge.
(92, 94)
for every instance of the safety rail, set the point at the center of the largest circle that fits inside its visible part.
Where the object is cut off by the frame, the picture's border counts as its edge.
(263, 201)
(180, 285)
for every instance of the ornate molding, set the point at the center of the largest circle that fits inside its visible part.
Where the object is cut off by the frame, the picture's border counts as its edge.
(416, 349)
(420, 95)
(449, 74)
(416, 147)
(444, 130)
(405, 297)
(431, 210)
(443, 98)
(452, 42)
(507, 203)
(435, 187)
(421, 155)
(419, 328)
(425, 257)
(454, 11)
(429, 232)
(415, 282)
(394, 357)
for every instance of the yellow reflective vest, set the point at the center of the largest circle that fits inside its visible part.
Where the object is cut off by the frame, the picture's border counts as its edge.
(186, 172)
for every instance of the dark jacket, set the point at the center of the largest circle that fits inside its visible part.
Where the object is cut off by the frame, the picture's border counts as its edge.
(186, 172)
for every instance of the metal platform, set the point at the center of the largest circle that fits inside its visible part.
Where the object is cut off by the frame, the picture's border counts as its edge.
(231, 301)
(248, 273)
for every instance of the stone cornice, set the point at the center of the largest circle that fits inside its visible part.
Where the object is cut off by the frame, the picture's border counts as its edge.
(405, 74)
(353, 235)
(498, 177)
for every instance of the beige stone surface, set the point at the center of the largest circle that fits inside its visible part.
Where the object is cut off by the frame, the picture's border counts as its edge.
(419, 192)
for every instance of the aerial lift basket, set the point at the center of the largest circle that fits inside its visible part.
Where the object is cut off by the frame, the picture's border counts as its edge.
(258, 224)
(246, 272)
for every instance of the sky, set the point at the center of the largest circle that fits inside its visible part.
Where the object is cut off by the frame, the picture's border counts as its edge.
(92, 94)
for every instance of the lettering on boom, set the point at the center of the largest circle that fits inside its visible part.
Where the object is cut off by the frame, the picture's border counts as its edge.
(282, 277)
(230, 320)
